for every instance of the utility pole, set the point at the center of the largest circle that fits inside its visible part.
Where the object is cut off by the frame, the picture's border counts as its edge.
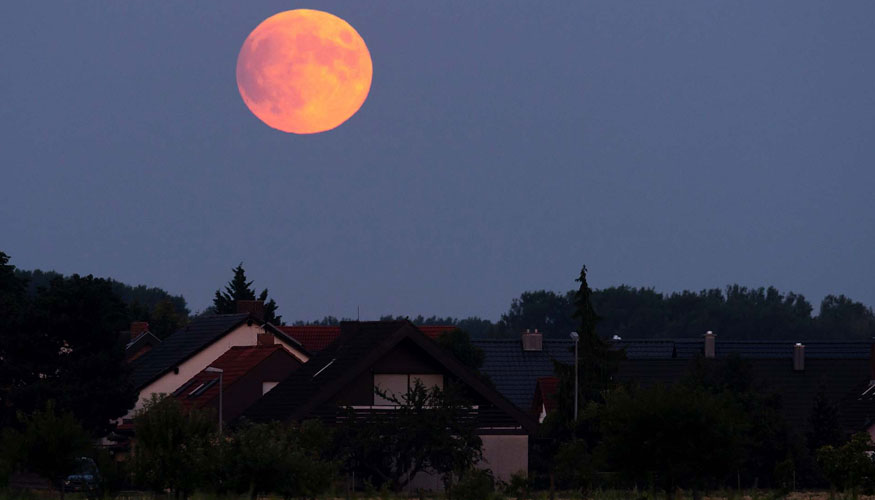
(211, 369)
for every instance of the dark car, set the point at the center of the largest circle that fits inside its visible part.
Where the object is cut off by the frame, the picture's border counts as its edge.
(86, 477)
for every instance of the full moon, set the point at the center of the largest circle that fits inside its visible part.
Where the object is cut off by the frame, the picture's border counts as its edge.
(304, 71)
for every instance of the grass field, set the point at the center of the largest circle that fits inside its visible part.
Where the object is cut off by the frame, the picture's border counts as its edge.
(601, 495)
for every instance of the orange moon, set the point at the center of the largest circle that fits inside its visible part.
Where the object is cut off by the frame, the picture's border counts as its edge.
(304, 71)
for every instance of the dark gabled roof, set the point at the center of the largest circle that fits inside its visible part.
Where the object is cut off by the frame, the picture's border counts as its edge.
(358, 347)
(836, 368)
(236, 362)
(183, 344)
(514, 371)
(748, 349)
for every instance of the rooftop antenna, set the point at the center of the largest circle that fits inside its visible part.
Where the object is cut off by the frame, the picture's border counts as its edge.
(358, 316)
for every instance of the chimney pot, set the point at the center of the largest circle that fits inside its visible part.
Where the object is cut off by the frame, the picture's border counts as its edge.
(798, 357)
(710, 344)
(254, 308)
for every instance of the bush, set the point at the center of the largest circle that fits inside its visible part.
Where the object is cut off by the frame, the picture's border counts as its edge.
(51, 444)
(281, 458)
(519, 487)
(475, 484)
(174, 447)
(848, 467)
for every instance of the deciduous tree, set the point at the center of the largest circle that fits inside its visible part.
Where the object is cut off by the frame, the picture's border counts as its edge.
(430, 430)
(173, 446)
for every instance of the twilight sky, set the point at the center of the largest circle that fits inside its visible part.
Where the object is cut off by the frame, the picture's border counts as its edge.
(679, 145)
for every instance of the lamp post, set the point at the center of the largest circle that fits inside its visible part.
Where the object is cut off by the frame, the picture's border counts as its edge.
(211, 369)
(575, 337)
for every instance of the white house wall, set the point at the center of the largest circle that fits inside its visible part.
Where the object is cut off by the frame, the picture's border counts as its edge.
(505, 455)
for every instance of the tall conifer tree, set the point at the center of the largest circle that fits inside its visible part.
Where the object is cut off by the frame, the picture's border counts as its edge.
(241, 289)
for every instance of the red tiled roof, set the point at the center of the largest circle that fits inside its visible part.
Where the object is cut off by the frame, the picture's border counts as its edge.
(314, 338)
(236, 362)
(435, 331)
(547, 393)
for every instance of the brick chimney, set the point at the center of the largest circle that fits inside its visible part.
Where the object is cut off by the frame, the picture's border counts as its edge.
(533, 341)
(798, 357)
(265, 338)
(138, 328)
(254, 308)
(710, 344)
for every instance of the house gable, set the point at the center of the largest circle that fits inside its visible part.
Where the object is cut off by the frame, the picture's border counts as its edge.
(188, 351)
(344, 373)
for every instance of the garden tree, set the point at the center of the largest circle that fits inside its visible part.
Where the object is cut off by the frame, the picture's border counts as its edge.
(66, 347)
(824, 420)
(562, 437)
(768, 441)
(281, 458)
(458, 342)
(597, 362)
(89, 377)
(629, 312)
(240, 289)
(13, 304)
(166, 313)
(174, 446)
(50, 443)
(848, 467)
(431, 430)
(841, 317)
(10, 453)
(672, 437)
(548, 312)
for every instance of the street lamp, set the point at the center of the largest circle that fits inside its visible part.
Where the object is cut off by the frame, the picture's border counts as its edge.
(575, 337)
(211, 369)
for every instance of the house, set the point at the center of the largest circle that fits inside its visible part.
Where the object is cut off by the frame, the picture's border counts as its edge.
(389, 355)
(248, 372)
(191, 349)
(797, 372)
(314, 338)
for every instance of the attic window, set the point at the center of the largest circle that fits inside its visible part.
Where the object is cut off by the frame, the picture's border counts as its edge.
(183, 388)
(203, 388)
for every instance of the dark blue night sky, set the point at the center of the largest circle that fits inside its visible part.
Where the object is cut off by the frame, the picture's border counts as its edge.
(679, 145)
